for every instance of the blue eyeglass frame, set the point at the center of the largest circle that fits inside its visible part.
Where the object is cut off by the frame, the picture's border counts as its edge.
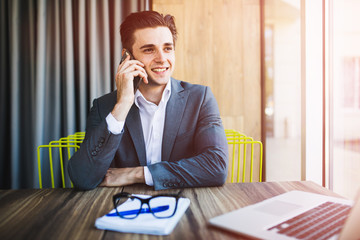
(146, 201)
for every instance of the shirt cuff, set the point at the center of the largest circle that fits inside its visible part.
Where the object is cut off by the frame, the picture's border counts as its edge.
(113, 125)
(148, 177)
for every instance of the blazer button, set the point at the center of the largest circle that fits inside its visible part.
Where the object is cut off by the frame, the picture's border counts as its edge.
(93, 153)
(97, 149)
(102, 140)
(100, 144)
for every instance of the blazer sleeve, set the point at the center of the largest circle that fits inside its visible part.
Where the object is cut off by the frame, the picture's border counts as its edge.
(208, 166)
(89, 164)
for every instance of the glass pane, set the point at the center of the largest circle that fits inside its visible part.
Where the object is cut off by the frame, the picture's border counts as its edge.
(283, 89)
(345, 122)
(128, 207)
(163, 206)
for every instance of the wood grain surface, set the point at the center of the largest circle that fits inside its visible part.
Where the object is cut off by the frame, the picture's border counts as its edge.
(71, 214)
(219, 46)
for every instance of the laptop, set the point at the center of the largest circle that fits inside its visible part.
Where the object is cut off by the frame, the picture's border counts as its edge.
(294, 215)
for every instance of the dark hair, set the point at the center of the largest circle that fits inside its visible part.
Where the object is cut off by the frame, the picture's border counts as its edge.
(141, 20)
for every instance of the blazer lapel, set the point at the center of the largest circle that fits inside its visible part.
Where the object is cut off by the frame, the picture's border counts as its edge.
(134, 126)
(174, 111)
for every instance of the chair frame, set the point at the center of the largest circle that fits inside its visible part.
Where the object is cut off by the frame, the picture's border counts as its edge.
(70, 142)
(234, 139)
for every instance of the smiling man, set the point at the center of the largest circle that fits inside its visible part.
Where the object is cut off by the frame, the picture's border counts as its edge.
(168, 134)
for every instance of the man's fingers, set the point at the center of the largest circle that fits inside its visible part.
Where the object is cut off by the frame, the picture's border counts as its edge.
(131, 71)
(137, 72)
(136, 62)
(132, 68)
(125, 64)
(141, 75)
(122, 63)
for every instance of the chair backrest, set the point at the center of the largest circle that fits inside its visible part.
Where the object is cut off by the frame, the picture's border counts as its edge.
(233, 133)
(245, 156)
(59, 150)
(244, 153)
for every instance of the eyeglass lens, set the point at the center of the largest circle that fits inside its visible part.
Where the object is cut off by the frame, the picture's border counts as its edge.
(162, 206)
(130, 209)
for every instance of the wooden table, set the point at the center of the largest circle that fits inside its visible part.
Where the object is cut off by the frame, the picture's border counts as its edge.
(70, 214)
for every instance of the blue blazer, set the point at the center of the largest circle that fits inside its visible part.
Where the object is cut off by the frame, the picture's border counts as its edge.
(194, 148)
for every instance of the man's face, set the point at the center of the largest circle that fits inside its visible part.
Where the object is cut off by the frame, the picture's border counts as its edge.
(154, 47)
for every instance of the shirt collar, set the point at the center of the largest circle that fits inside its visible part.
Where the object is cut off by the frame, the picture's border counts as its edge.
(164, 98)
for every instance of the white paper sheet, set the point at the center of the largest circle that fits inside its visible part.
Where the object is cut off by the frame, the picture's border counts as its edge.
(144, 223)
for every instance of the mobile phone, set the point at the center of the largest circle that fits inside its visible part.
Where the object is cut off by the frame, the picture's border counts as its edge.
(137, 80)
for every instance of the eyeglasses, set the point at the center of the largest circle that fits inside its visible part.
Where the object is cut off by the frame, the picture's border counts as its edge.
(161, 206)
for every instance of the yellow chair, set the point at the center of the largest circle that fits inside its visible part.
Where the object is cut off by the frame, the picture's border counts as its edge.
(243, 153)
(239, 145)
(57, 149)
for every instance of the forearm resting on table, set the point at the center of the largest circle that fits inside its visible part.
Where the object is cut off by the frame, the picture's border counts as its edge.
(115, 177)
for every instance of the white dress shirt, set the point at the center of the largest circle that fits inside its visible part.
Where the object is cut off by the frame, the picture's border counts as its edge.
(152, 120)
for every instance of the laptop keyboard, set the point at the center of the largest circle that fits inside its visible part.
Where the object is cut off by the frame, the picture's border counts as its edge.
(321, 222)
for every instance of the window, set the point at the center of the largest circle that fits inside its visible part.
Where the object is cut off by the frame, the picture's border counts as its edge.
(345, 95)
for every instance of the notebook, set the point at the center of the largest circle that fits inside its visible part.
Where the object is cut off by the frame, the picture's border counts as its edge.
(144, 223)
(292, 215)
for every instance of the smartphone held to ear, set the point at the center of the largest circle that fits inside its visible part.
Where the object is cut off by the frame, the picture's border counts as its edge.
(137, 80)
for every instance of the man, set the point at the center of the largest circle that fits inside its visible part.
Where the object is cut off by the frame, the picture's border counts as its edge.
(168, 134)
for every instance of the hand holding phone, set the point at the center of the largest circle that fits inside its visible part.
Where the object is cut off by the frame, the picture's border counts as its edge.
(129, 69)
(137, 79)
